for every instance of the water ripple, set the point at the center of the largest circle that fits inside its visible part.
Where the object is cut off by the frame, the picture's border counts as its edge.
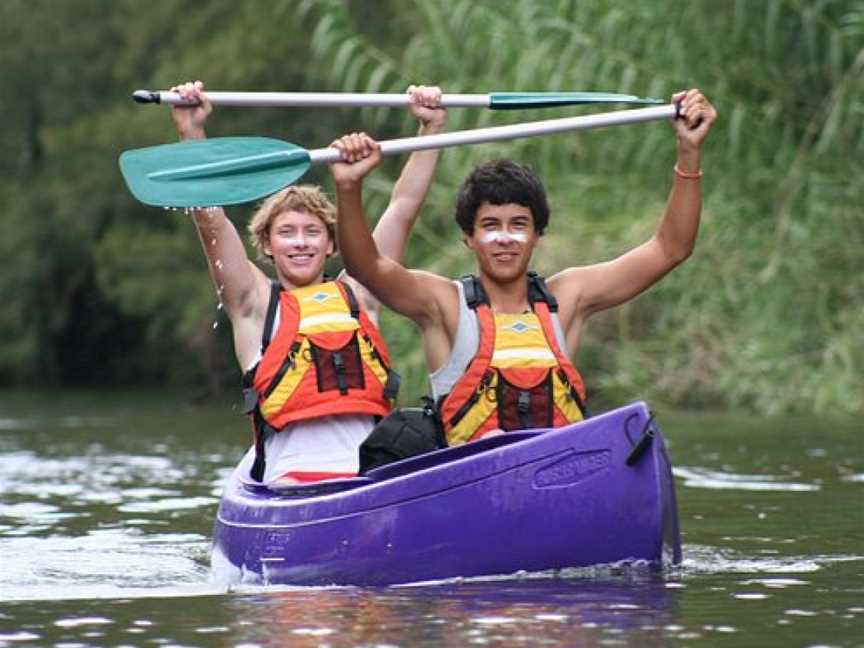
(695, 477)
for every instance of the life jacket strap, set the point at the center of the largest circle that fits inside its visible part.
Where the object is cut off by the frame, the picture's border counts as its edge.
(391, 387)
(394, 380)
(474, 293)
(272, 305)
(574, 393)
(262, 431)
(353, 304)
(538, 291)
(290, 362)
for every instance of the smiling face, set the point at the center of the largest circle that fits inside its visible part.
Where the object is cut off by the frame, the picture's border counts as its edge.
(299, 245)
(503, 240)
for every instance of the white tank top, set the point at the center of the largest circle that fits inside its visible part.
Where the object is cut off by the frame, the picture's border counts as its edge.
(324, 445)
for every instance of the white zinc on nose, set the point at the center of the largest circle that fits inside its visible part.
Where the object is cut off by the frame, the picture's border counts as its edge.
(498, 236)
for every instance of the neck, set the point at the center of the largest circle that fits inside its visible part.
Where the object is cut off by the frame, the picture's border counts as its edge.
(288, 284)
(509, 297)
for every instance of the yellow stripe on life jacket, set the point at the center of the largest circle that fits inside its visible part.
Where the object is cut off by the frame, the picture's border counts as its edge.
(564, 401)
(370, 359)
(520, 342)
(286, 387)
(323, 310)
(485, 406)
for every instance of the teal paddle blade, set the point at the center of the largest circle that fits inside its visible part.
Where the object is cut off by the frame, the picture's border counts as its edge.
(211, 173)
(512, 100)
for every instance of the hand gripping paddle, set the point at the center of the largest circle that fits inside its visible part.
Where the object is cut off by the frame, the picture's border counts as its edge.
(232, 170)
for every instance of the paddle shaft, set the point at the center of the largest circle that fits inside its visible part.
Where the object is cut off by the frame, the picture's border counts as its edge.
(510, 132)
(493, 100)
(297, 156)
(310, 99)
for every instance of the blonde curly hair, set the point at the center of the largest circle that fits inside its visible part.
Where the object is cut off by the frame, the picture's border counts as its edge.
(302, 198)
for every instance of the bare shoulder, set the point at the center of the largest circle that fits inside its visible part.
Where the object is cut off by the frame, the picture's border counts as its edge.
(259, 296)
(446, 297)
(567, 284)
(571, 287)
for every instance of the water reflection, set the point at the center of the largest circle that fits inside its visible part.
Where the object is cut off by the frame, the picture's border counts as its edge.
(516, 613)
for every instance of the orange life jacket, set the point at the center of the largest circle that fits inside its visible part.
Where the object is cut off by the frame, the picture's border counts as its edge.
(326, 358)
(519, 377)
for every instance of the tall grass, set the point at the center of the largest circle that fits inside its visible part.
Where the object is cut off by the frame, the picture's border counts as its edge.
(767, 314)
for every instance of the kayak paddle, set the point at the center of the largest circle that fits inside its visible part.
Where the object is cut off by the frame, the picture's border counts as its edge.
(232, 170)
(493, 100)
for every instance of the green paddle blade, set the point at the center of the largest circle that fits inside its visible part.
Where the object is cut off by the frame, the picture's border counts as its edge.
(512, 100)
(211, 173)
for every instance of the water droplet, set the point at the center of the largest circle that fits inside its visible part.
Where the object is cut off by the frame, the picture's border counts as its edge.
(215, 325)
(213, 241)
(219, 264)
(219, 306)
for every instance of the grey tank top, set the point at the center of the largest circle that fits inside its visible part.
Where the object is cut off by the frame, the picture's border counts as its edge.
(465, 348)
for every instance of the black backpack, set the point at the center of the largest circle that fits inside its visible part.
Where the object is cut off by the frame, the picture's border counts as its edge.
(403, 433)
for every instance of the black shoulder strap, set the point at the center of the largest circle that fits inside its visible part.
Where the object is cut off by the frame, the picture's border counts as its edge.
(539, 291)
(353, 304)
(275, 289)
(474, 293)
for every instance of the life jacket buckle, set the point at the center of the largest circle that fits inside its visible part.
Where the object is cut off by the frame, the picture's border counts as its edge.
(339, 366)
(524, 401)
(250, 399)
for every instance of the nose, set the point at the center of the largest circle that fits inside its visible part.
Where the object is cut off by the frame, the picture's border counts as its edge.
(299, 240)
(504, 237)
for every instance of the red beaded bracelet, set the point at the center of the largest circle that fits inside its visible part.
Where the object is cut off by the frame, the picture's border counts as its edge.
(687, 175)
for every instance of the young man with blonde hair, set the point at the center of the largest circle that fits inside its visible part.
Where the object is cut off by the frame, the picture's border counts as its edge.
(316, 370)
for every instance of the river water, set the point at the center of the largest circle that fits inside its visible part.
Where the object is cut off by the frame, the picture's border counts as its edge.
(107, 503)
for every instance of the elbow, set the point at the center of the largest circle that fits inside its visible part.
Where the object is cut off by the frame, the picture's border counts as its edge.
(363, 272)
(678, 257)
(675, 252)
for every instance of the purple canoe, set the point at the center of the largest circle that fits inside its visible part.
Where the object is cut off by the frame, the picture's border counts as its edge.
(599, 491)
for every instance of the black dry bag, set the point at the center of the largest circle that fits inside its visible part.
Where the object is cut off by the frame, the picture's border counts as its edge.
(403, 433)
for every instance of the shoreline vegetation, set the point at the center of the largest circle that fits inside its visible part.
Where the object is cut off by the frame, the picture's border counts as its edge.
(766, 316)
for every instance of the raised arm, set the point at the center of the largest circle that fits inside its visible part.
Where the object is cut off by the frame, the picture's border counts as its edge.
(417, 295)
(240, 285)
(586, 290)
(394, 227)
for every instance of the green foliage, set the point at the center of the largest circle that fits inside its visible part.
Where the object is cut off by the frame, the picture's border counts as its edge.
(765, 316)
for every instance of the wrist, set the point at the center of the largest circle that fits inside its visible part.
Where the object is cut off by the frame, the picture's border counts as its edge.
(689, 159)
(192, 134)
(345, 186)
(429, 128)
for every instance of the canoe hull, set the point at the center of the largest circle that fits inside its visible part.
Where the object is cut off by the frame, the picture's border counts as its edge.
(529, 501)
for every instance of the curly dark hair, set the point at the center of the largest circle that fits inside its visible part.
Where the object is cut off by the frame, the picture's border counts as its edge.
(501, 182)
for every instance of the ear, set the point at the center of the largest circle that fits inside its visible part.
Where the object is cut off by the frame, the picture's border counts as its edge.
(265, 245)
